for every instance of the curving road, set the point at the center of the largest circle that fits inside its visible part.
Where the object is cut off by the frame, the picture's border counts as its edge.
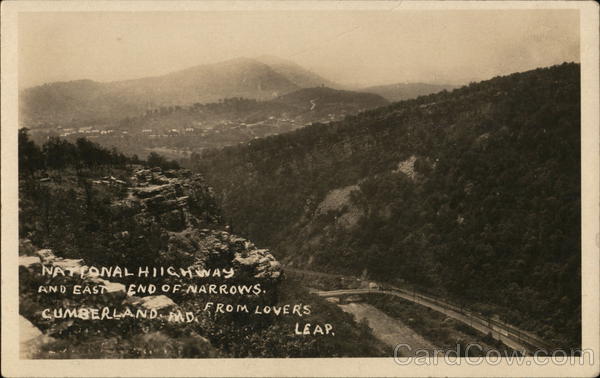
(509, 335)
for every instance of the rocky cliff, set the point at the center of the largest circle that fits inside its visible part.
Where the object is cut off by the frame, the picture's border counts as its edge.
(174, 209)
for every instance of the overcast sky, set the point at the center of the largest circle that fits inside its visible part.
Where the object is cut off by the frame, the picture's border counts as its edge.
(351, 47)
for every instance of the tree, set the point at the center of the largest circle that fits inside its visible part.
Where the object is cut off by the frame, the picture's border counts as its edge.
(156, 160)
(30, 155)
(59, 153)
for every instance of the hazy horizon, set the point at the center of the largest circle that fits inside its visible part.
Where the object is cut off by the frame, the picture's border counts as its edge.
(352, 48)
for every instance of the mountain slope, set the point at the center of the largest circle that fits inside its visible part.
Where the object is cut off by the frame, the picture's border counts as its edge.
(298, 75)
(406, 91)
(83, 100)
(322, 103)
(87, 101)
(324, 97)
(240, 77)
(473, 194)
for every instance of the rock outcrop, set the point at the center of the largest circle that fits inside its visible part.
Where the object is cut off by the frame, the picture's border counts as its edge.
(177, 209)
(176, 200)
(182, 206)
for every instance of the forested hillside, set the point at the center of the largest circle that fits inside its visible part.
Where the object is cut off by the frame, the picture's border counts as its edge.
(406, 91)
(473, 194)
(323, 100)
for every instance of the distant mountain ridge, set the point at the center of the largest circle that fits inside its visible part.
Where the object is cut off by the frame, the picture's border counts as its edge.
(261, 78)
(86, 100)
(300, 76)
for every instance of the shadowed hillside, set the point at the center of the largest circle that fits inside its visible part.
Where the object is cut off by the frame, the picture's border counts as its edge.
(406, 91)
(472, 194)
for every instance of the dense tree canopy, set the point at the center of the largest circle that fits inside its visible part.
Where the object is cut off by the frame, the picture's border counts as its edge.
(58, 153)
(487, 213)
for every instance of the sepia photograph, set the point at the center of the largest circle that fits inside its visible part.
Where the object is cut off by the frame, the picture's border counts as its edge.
(393, 182)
